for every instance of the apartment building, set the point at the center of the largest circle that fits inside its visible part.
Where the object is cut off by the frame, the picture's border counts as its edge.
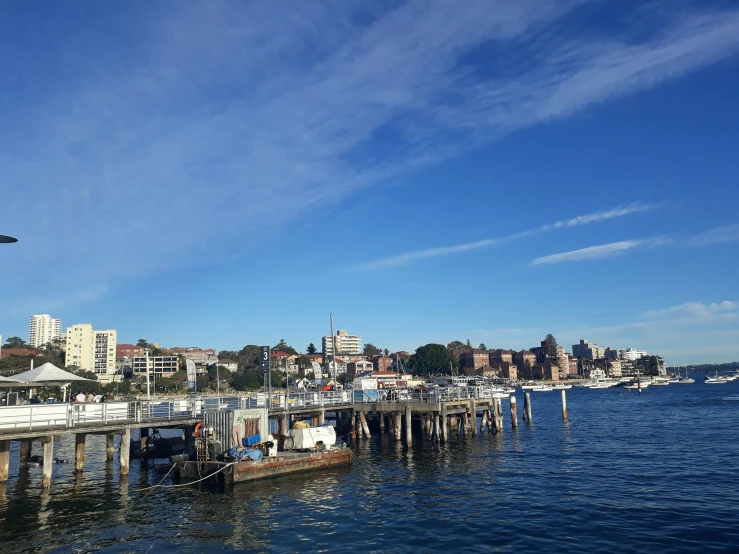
(346, 344)
(160, 366)
(520, 359)
(130, 351)
(474, 359)
(588, 350)
(43, 330)
(91, 350)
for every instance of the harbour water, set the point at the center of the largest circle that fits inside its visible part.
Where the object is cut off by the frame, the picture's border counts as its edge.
(626, 473)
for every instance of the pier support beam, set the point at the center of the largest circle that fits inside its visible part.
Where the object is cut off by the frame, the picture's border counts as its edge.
(322, 416)
(398, 425)
(125, 451)
(365, 426)
(527, 407)
(473, 416)
(381, 417)
(144, 437)
(435, 417)
(564, 404)
(444, 425)
(25, 451)
(283, 425)
(514, 415)
(48, 462)
(484, 421)
(79, 451)
(109, 447)
(408, 433)
(4, 460)
(353, 421)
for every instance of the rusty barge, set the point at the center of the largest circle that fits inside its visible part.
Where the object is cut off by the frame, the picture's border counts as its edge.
(228, 473)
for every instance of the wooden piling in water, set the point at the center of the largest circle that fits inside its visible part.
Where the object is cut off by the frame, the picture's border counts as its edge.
(352, 425)
(125, 451)
(143, 438)
(381, 417)
(365, 427)
(26, 447)
(435, 417)
(483, 421)
(527, 407)
(398, 425)
(444, 425)
(499, 412)
(408, 418)
(322, 416)
(110, 447)
(79, 452)
(48, 462)
(514, 415)
(564, 404)
(4, 460)
(473, 416)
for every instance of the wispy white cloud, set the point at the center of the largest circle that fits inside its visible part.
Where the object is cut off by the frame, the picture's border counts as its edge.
(595, 252)
(416, 255)
(249, 114)
(729, 233)
(695, 310)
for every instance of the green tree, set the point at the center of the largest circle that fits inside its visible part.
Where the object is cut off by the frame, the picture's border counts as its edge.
(312, 348)
(550, 347)
(240, 381)
(142, 343)
(248, 357)
(527, 369)
(386, 352)
(228, 355)
(311, 376)
(468, 345)
(371, 350)
(303, 362)
(15, 342)
(282, 346)
(482, 346)
(432, 358)
(456, 345)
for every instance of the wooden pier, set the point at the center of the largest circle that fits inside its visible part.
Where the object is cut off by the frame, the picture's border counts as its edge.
(455, 410)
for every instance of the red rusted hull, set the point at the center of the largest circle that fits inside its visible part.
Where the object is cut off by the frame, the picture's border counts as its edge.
(282, 464)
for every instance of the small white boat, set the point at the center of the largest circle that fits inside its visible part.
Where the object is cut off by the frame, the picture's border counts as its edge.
(685, 381)
(561, 386)
(635, 385)
(715, 381)
(660, 381)
(539, 388)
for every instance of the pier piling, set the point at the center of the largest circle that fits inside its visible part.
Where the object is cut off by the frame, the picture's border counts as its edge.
(109, 447)
(4, 460)
(79, 452)
(473, 417)
(48, 462)
(484, 421)
(527, 407)
(398, 424)
(514, 415)
(444, 425)
(564, 405)
(408, 429)
(435, 417)
(381, 417)
(125, 451)
(365, 427)
(25, 451)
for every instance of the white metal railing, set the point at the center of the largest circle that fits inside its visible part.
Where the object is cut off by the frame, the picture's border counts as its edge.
(45, 416)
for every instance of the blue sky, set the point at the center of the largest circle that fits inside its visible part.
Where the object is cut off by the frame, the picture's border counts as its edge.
(222, 174)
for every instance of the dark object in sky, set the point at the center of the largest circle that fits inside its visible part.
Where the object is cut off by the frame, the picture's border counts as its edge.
(7, 239)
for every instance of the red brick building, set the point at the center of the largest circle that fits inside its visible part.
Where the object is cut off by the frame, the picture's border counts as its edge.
(130, 350)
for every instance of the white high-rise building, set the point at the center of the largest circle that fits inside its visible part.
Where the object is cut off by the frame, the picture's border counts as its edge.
(44, 329)
(91, 350)
(345, 345)
(632, 354)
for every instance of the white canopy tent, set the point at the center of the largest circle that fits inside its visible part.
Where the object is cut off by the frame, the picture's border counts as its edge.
(48, 374)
